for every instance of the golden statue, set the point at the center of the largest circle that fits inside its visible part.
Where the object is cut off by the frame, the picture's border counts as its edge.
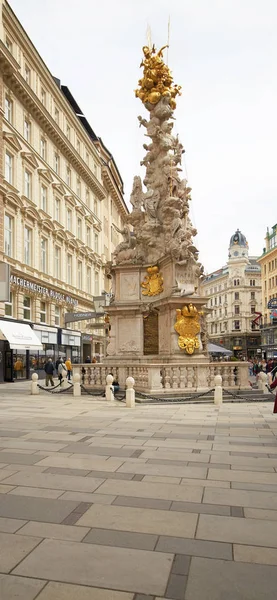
(187, 326)
(153, 282)
(157, 80)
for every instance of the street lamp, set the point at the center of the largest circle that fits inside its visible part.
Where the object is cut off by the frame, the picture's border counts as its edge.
(101, 301)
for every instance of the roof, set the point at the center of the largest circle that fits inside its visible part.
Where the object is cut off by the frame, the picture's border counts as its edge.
(214, 349)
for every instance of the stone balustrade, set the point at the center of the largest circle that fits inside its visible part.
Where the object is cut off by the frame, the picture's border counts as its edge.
(167, 378)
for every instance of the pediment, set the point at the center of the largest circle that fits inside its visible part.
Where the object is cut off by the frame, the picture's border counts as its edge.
(47, 223)
(58, 187)
(69, 199)
(11, 199)
(46, 174)
(31, 212)
(89, 219)
(80, 209)
(12, 140)
(30, 158)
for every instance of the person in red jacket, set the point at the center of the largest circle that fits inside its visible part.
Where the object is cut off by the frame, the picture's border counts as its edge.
(272, 386)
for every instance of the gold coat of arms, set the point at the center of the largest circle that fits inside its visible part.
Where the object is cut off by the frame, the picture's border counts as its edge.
(153, 282)
(187, 326)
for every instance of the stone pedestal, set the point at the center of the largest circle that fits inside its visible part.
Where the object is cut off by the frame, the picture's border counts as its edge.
(134, 315)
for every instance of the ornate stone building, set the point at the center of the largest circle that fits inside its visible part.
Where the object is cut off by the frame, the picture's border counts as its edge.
(61, 204)
(268, 263)
(235, 301)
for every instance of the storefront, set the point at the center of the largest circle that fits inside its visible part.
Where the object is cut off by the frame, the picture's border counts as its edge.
(18, 343)
(56, 342)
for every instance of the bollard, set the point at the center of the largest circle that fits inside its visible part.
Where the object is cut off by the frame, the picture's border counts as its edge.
(34, 385)
(263, 380)
(130, 392)
(218, 389)
(109, 388)
(76, 384)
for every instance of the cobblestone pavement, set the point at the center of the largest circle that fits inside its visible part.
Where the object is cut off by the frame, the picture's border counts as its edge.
(101, 502)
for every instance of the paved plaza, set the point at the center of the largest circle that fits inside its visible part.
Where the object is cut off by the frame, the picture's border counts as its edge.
(101, 502)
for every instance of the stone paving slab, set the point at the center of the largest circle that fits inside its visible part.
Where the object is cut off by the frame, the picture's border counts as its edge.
(56, 482)
(19, 588)
(123, 539)
(65, 591)
(246, 498)
(256, 532)
(160, 491)
(141, 520)
(54, 531)
(36, 509)
(13, 548)
(122, 569)
(219, 579)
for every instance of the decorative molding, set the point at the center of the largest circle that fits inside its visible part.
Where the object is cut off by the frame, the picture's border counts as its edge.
(12, 140)
(30, 158)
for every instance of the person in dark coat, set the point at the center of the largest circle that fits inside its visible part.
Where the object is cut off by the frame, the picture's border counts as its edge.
(272, 386)
(49, 372)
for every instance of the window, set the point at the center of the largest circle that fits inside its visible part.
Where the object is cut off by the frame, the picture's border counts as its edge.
(43, 198)
(236, 281)
(87, 157)
(43, 96)
(220, 312)
(8, 109)
(215, 328)
(8, 235)
(79, 228)
(68, 176)
(57, 116)
(27, 74)
(43, 312)
(27, 130)
(211, 301)
(252, 282)
(253, 308)
(78, 146)
(57, 209)
(225, 311)
(43, 148)
(57, 260)
(43, 255)
(78, 187)
(89, 237)
(27, 245)
(56, 163)
(68, 132)
(252, 295)
(219, 300)
(225, 298)
(237, 325)
(27, 308)
(80, 275)
(236, 295)
(57, 315)
(87, 197)
(9, 45)
(215, 301)
(265, 269)
(8, 167)
(69, 268)
(9, 306)
(237, 310)
(95, 206)
(96, 283)
(27, 184)
(96, 244)
(89, 280)
(69, 219)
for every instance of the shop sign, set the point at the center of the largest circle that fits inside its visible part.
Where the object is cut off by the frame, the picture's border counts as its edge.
(237, 347)
(39, 289)
(272, 303)
(86, 337)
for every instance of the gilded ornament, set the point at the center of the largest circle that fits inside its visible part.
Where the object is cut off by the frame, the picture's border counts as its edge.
(157, 80)
(153, 282)
(187, 326)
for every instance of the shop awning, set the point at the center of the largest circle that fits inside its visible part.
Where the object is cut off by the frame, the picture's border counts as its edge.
(214, 349)
(19, 336)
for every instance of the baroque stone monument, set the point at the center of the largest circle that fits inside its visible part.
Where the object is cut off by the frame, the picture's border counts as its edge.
(156, 312)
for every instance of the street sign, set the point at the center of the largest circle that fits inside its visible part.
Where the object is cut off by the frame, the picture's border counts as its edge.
(81, 316)
(272, 303)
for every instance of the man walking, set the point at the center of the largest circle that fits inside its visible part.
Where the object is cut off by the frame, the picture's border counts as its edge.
(69, 368)
(49, 370)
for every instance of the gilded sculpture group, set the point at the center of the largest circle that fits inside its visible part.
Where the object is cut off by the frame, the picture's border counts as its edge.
(157, 80)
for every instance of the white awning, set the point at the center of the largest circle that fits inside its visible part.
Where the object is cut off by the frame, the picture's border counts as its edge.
(20, 336)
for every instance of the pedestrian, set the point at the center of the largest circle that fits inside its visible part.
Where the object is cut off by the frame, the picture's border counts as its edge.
(115, 386)
(62, 371)
(94, 360)
(88, 360)
(69, 368)
(272, 386)
(18, 368)
(49, 371)
(57, 364)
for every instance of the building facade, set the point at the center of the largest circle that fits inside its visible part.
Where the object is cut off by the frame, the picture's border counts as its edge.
(61, 205)
(268, 263)
(235, 301)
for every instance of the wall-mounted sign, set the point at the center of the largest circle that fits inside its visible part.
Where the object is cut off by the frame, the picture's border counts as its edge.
(81, 316)
(272, 303)
(44, 291)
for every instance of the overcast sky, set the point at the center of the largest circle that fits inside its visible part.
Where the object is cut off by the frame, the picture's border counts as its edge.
(223, 53)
